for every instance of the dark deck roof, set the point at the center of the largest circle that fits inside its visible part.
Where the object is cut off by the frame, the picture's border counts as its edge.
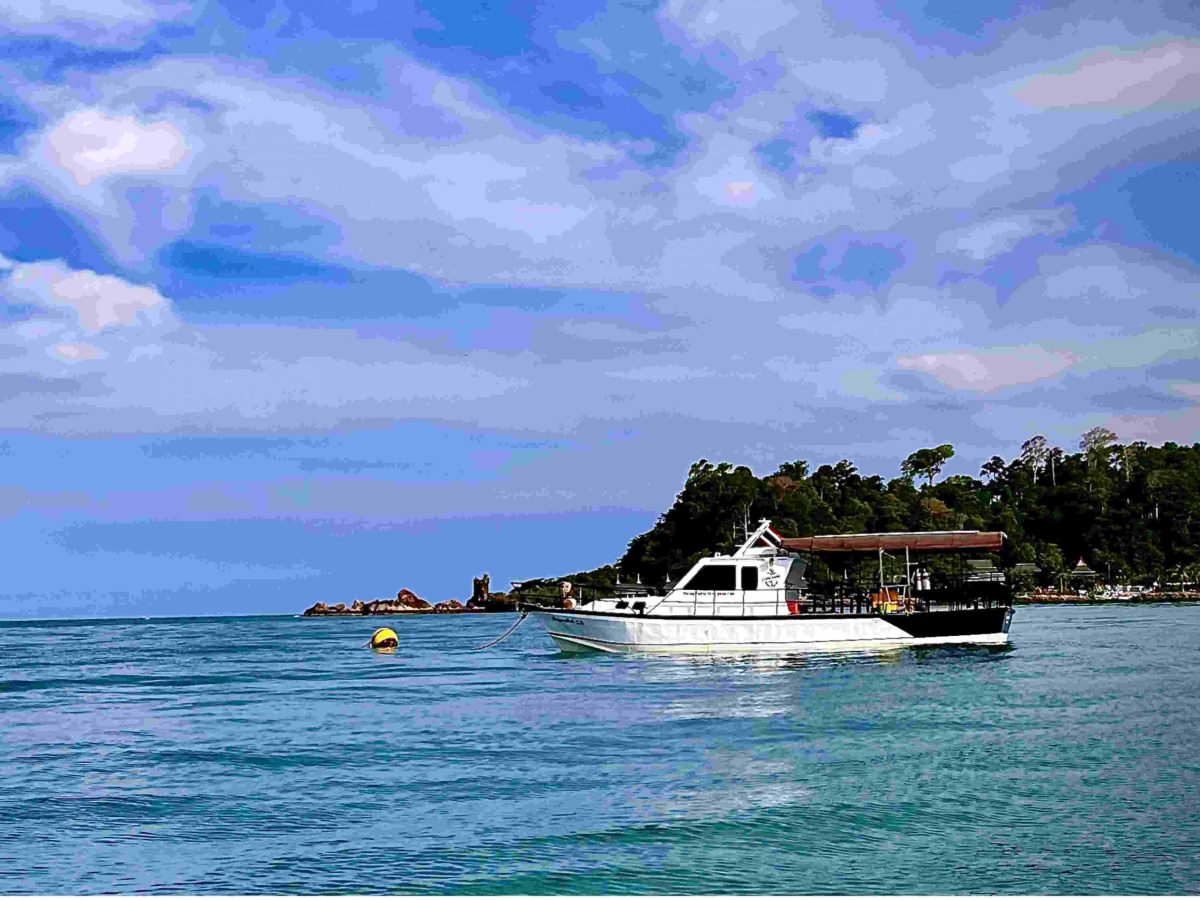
(898, 540)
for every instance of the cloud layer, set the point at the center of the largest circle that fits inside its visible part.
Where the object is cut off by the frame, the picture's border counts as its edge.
(630, 237)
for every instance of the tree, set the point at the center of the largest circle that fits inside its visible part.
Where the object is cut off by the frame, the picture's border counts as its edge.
(1144, 521)
(927, 462)
(1095, 445)
(797, 470)
(1034, 453)
(992, 470)
(1055, 455)
(1155, 482)
(1096, 441)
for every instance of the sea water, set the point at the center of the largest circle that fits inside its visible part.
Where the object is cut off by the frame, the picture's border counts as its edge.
(276, 754)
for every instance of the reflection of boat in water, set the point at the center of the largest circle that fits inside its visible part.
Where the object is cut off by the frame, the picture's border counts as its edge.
(867, 591)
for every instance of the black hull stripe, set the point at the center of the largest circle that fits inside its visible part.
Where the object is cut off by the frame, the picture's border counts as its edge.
(959, 621)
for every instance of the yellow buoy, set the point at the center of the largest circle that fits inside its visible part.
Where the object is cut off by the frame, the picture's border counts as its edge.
(384, 639)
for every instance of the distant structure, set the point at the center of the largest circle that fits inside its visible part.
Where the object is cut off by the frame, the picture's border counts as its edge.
(481, 589)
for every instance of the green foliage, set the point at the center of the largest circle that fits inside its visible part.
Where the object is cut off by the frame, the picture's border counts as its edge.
(1130, 510)
(927, 462)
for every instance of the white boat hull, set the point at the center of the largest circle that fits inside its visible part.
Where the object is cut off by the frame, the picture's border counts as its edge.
(575, 631)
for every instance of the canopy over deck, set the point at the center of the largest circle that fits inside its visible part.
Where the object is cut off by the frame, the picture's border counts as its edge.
(924, 541)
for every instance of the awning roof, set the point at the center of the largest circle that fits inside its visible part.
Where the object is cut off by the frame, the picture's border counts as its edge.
(897, 540)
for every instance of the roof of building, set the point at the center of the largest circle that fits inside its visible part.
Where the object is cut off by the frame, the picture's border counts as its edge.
(897, 540)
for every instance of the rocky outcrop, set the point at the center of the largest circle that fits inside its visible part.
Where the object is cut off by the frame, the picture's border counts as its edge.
(339, 609)
(406, 602)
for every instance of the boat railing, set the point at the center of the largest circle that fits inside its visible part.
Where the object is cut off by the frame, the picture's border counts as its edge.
(848, 600)
(833, 599)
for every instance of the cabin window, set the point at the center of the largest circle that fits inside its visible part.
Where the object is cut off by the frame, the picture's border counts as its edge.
(713, 578)
(795, 575)
(749, 578)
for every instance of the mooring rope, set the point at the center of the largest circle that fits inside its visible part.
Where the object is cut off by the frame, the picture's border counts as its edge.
(503, 636)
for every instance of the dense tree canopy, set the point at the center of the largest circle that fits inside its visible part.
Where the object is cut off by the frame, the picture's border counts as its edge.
(1131, 511)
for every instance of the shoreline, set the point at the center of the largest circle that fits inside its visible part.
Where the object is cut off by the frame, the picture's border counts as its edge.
(1075, 600)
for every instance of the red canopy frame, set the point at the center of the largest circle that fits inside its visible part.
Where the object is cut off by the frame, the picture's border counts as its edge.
(924, 541)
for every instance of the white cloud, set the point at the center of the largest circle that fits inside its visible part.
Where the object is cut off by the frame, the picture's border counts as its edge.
(984, 371)
(1189, 389)
(431, 176)
(150, 373)
(1167, 73)
(822, 62)
(855, 81)
(747, 31)
(99, 23)
(90, 144)
(662, 373)
(724, 176)
(99, 301)
(995, 237)
(1137, 351)
(78, 352)
(497, 204)
(980, 169)
(96, 158)
(1100, 288)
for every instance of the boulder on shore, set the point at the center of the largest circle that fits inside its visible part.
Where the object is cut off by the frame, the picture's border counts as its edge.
(449, 606)
(339, 609)
(406, 602)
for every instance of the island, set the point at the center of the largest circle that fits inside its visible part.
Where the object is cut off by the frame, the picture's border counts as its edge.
(1128, 513)
(408, 603)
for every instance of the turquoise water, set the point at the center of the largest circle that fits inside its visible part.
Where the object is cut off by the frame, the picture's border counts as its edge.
(275, 755)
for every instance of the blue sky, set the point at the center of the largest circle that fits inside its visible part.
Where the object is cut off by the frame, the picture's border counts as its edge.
(316, 301)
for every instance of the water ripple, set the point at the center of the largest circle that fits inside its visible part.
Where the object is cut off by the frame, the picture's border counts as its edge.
(273, 754)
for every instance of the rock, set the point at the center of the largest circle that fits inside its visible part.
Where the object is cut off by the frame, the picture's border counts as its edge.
(339, 609)
(406, 597)
(406, 602)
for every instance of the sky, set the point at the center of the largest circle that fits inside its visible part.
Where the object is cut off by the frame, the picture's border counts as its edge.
(314, 301)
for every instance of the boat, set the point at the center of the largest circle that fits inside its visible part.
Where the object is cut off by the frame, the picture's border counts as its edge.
(819, 593)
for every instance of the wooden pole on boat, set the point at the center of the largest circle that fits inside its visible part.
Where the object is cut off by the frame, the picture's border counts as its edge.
(907, 577)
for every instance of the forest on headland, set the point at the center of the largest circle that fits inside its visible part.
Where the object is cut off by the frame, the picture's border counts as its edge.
(1130, 511)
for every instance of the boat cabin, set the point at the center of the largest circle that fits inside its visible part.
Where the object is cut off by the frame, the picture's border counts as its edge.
(859, 574)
